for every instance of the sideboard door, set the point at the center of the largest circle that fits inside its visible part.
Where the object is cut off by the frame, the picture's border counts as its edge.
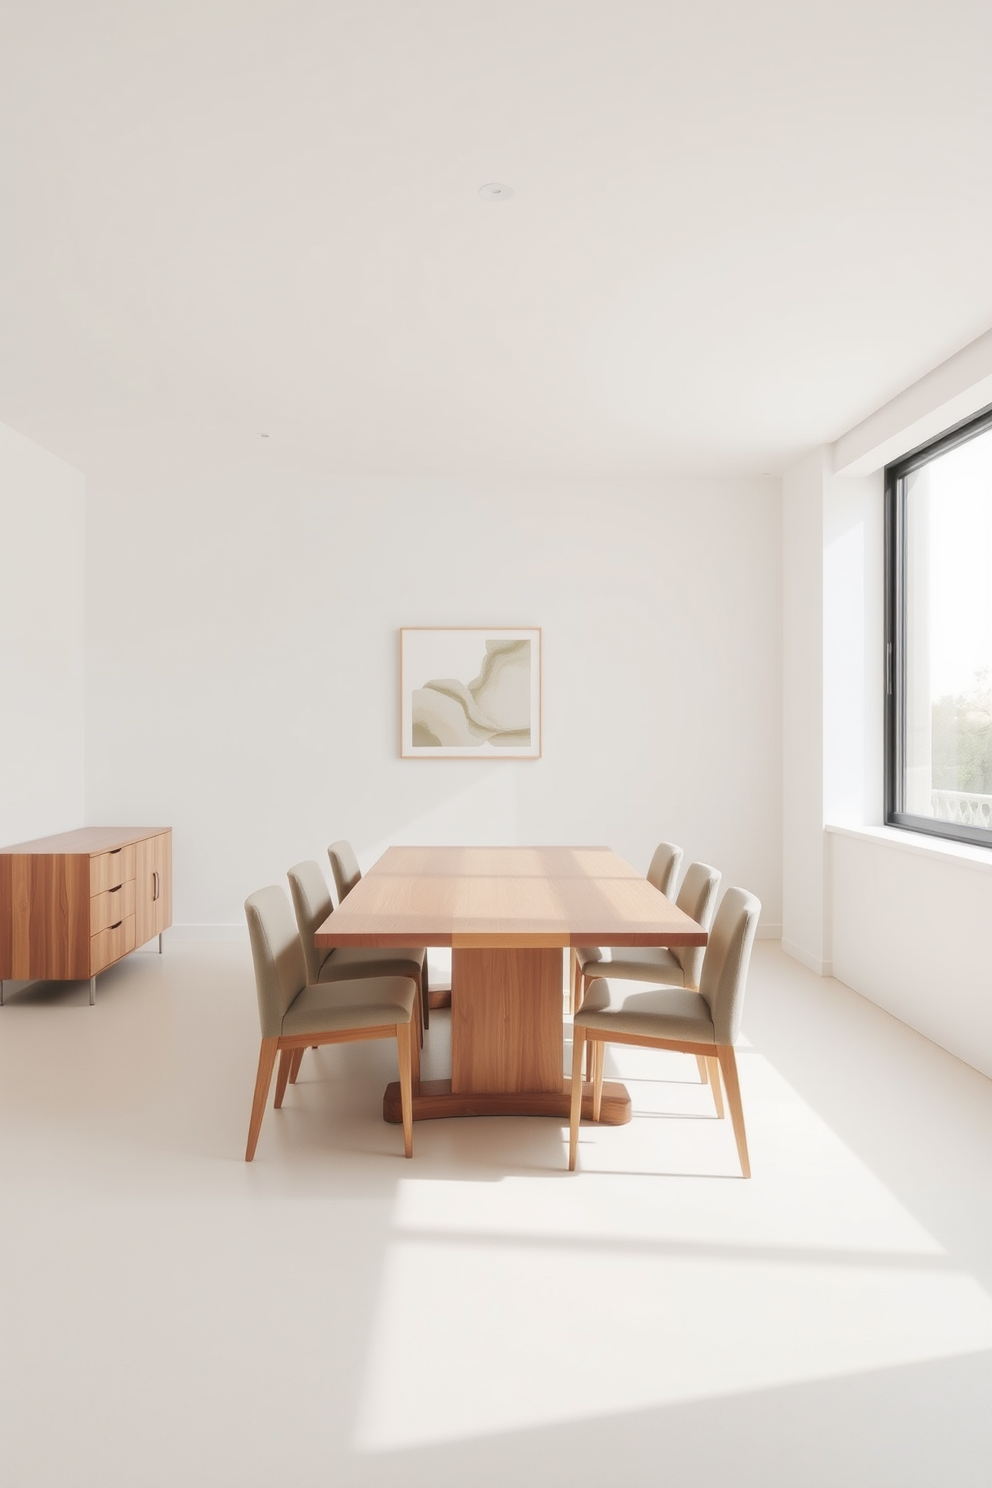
(153, 907)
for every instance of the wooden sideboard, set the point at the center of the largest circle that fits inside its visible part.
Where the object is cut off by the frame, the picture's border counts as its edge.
(72, 905)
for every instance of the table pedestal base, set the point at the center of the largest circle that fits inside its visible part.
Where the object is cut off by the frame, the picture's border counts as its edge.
(434, 1100)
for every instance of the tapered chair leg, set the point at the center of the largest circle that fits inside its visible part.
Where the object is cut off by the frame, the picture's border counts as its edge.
(415, 1044)
(285, 1066)
(701, 1063)
(575, 1112)
(598, 1066)
(728, 1068)
(580, 996)
(294, 1068)
(714, 1072)
(404, 1043)
(266, 1059)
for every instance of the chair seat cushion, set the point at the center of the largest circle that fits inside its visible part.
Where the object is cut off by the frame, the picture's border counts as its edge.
(638, 964)
(366, 1002)
(660, 1012)
(346, 962)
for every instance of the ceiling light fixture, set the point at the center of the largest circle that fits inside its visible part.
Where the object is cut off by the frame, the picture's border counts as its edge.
(495, 191)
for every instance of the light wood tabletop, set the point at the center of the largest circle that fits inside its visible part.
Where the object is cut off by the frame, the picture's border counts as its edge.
(509, 914)
(506, 896)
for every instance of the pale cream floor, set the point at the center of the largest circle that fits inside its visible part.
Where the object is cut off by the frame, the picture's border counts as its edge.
(333, 1314)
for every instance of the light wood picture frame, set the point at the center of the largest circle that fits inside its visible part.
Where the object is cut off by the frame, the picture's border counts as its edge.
(471, 692)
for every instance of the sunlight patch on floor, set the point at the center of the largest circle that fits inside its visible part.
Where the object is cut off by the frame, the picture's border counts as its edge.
(481, 1339)
(551, 1297)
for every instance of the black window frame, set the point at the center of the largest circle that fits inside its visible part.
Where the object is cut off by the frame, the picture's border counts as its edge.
(895, 632)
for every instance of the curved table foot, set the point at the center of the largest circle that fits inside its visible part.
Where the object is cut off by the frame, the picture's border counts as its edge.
(435, 1101)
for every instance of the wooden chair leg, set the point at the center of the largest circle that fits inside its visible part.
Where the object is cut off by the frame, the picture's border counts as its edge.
(294, 1068)
(404, 1049)
(263, 1079)
(728, 1068)
(285, 1065)
(599, 1064)
(590, 1043)
(415, 1043)
(714, 1071)
(575, 1112)
(701, 1067)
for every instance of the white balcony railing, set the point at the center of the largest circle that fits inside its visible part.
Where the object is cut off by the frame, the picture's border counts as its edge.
(962, 807)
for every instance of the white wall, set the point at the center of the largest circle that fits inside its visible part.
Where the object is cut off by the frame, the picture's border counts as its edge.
(804, 928)
(260, 711)
(42, 608)
(832, 585)
(911, 931)
(853, 647)
(899, 917)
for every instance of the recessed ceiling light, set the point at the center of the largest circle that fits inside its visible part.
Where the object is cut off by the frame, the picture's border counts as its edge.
(263, 436)
(495, 191)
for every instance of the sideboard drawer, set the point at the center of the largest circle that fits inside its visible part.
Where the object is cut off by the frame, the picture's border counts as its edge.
(111, 944)
(107, 909)
(110, 870)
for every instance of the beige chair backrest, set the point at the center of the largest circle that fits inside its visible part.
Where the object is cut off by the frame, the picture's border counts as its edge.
(697, 899)
(280, 970)
(726, 960)
(344, 866)
(664, 868)
(313, 903)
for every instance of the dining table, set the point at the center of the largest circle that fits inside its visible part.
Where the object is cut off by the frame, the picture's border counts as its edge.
(510, 916)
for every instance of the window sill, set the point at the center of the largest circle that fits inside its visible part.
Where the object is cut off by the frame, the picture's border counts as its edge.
(963, 854)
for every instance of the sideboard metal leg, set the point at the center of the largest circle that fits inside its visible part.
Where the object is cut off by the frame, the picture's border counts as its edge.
(1, 994)
(160, 942)
(92, 990)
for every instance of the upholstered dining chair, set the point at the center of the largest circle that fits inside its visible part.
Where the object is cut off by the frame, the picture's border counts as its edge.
(312, 903)
(295, 1014)
(344, 866)
(663, 872)
(704, 1023)
(678, 966)
(663, 869)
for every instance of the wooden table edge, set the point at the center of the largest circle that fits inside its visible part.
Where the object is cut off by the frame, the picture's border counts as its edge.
(508, 939)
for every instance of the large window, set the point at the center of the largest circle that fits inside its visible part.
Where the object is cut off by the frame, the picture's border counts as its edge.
(938, 720)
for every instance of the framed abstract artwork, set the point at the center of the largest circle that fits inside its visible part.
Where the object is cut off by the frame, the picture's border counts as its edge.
(473, 693)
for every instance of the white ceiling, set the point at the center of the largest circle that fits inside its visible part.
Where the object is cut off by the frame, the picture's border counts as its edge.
(737, 228)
